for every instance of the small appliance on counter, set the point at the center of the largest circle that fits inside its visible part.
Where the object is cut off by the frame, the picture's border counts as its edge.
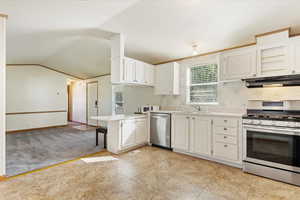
(271, 140)
(148, 108)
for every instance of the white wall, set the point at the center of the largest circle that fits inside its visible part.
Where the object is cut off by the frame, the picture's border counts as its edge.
(2, 93)
(232, 97)
(135, 97)
(35, 89)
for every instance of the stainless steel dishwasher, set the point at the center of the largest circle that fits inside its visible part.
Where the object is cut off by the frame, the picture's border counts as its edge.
(160, 130)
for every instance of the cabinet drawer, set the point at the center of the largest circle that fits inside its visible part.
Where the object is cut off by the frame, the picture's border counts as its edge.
(225, 139)
(227, 122)
(226, 151)
(225, 130)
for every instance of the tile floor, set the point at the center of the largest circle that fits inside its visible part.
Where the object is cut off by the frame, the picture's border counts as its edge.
(147, 173)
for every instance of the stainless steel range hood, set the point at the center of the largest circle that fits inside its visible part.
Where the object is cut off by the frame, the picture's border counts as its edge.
(274, 81)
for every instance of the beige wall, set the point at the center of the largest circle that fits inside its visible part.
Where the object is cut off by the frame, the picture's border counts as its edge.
(35, 89)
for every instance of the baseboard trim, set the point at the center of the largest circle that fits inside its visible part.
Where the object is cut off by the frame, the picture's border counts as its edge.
(83, 123)
(34, 129)
(232, 164)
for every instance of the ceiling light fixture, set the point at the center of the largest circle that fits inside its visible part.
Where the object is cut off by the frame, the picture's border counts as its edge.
(195, 49)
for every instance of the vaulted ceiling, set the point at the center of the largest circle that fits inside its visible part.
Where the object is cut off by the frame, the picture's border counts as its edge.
(72, 35)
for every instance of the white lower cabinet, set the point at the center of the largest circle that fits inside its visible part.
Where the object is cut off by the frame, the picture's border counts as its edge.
(180, 133)
(126, 134)
(214, 138)
(225, 139)
(141, 133)
(128, 130)
(200, 135)
(191, 134)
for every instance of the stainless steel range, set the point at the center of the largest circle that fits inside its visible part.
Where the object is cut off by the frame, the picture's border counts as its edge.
(271, 140)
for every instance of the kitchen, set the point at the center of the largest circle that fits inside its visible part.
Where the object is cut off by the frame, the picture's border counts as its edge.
(216, 127)
(139, 99)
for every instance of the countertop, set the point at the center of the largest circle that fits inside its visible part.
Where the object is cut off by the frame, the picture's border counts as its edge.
(118, 117)
(200, 113)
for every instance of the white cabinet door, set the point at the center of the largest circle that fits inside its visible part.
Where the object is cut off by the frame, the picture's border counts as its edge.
(180, 132)
(129, 70)
(200, 135)
(273, 60)
(140, 72)
(128, 133)
(149, 74)
(167, 79)
(238, 64)
(141, 131)
(295, 55)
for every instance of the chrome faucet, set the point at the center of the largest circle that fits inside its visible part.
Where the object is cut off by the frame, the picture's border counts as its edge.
(198, 108)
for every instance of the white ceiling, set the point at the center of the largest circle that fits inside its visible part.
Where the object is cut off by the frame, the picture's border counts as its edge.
(62, 34)
(71, 35)
(159, 30)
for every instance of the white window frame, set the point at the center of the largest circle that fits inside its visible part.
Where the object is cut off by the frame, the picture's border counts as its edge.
(188, 83)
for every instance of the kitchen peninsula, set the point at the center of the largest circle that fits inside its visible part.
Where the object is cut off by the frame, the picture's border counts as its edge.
(125, 132)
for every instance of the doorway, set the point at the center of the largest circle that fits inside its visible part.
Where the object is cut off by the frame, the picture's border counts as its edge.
(92, 103)
(69, 90)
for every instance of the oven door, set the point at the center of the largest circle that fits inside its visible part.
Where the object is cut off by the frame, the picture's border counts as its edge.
(279, 148)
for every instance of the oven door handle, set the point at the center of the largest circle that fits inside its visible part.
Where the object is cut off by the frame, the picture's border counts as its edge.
(272, 130)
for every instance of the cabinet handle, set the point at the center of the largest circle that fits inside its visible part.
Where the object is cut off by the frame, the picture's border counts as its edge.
(193, 118)
(225, 137)
(225, 129)
(225, 145)
(187, 117)
(225, 120)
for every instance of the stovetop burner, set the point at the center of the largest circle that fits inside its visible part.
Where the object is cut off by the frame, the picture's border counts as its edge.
(273, 115)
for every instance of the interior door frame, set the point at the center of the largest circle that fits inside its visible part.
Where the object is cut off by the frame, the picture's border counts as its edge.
(87, 99)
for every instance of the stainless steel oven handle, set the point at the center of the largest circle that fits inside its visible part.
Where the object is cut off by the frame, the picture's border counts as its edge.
(285, 131)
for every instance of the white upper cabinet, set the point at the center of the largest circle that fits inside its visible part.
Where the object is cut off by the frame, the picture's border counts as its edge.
(131, 71)
(167, 79)
(149, 74)
(273, 54)
(126, 70)
(238, 64)
(295, 54)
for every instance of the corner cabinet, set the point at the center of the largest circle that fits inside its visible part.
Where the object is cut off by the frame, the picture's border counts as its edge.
(130, 71)
(167, 79)
(238, 64)
(209, 137)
